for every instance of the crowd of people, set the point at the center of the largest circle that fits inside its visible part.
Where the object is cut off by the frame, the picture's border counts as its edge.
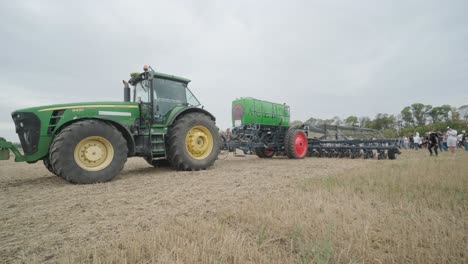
(437, 141)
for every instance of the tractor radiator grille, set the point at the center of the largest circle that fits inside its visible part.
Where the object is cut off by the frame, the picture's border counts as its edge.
(54, 119)
(28, 127)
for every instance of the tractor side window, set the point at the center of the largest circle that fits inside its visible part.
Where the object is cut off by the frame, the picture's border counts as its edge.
(142, 94)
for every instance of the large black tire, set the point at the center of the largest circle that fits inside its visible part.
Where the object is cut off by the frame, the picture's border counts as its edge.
(74, 138)
(295, 144)
(48, 165)
(158, 163)
(178, 152)
(264, 153)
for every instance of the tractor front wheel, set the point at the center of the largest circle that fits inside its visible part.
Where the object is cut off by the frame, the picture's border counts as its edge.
(88, 151)
(48, 165)
(193, 142)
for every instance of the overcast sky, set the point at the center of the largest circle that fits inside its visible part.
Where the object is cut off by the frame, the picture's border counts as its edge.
(323, 58)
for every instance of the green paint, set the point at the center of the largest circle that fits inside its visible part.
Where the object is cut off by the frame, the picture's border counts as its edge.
(74, 112)
(5, 148)
(250, 111)
(53, 118)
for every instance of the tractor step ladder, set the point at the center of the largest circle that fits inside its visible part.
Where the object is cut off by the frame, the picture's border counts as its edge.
(158, 147)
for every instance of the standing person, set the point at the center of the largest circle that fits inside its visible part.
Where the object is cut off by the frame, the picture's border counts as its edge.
(405, 142)
(411, 142)
(452, 140)
(444, 141)
(432, 142)
(440, 137)
(459, 140)
(424, 140)
(417, 141)
(465, 140)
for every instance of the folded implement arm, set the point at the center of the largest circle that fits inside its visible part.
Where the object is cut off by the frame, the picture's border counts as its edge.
(5, 148)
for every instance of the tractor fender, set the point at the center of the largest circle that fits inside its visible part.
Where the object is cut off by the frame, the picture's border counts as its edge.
(190, 110)
(121, 128)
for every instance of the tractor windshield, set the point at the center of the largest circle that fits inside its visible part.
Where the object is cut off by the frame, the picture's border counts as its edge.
(142, 94)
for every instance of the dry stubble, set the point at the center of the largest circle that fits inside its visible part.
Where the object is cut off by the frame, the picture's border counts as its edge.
(244, 210)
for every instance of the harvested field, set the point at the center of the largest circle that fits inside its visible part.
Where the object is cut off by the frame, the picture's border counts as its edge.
(242, 210)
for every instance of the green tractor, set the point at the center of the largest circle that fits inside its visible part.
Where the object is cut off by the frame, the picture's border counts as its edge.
(90, 142)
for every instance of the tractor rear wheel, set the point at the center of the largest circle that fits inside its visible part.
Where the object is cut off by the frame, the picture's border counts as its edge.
(296, 144)
(193, 142)
(265, 152)
(88, 151)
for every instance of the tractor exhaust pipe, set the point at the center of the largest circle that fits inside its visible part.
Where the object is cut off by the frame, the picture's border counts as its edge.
(126, 91)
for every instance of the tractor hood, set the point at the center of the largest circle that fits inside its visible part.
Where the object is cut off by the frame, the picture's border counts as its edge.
(36, 126)
(81, 106)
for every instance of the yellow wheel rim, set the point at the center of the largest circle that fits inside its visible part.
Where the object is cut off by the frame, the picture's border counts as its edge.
(199, 142)
(94, 153)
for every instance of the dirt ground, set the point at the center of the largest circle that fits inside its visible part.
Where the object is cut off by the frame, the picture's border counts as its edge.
(42, 216)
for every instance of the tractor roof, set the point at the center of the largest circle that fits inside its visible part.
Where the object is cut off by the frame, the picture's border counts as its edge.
(137, 76)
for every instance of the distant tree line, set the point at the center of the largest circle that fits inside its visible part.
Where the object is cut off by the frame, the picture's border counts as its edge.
(417, 117)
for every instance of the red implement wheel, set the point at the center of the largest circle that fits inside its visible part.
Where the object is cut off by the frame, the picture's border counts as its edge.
(296, 144)
(265, 152)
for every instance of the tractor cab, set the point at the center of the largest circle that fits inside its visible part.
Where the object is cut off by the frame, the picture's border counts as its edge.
(158, 94)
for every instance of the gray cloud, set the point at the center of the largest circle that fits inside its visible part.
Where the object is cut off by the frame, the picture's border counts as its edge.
(324, 58)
